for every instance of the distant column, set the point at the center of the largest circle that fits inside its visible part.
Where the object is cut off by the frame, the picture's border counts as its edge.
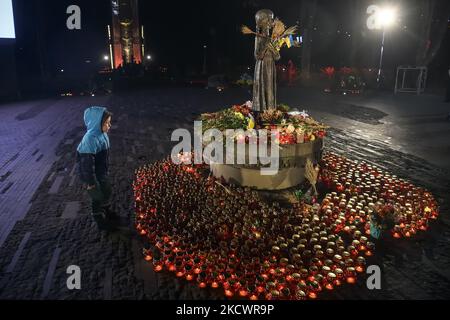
(126, 32)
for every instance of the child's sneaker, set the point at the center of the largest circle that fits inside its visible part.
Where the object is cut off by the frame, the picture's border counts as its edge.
(102, 222)
(110, 214)
(114, 218)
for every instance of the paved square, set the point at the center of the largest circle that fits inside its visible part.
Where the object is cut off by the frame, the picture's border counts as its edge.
(44, 213)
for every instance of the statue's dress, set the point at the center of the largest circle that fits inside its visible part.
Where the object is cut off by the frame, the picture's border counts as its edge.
(265, 81)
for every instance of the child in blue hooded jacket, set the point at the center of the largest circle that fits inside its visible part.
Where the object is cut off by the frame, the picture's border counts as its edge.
(93, 161)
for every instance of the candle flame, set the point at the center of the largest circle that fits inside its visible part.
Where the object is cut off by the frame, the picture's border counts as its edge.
(158, 268)
(243, 293)
(351, 280)
(229, 293)
(312, 295)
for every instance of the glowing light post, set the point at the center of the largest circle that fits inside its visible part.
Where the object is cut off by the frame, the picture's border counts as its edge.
(205, 71)
(148, 58)
(381, 18)
(111, 56)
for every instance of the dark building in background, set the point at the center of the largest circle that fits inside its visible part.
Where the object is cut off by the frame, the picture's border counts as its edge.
(50, 58)
(127, 34)
(8, 79)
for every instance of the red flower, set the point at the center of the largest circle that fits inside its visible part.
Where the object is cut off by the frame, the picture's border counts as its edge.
(242, 109)
(329, 71)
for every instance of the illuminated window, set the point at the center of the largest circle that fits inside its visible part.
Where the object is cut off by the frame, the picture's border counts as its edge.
(7, 30)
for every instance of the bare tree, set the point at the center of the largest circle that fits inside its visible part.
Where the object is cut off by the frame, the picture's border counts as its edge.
(357, 18)
(41, 40)
(308, 14)
(435, 15)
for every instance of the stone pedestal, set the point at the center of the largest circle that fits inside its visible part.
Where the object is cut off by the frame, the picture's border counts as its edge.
(291, 171)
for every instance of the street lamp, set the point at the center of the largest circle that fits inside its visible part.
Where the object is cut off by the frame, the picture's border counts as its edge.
(205, 71)
(149, 57)
(387, 17)
(381, 18)
(106, 58)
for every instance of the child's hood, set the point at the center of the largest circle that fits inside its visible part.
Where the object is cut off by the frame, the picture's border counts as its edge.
(93, 119)
(95, 140)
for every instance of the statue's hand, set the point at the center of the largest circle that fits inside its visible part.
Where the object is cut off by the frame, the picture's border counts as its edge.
(259, 56)
(276, 55)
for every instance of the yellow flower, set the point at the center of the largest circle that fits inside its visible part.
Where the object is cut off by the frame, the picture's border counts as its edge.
(251, 124)
(290, 129)
(312, 138)
(239, 115)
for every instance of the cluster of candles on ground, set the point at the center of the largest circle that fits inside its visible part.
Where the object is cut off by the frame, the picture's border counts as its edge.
(228, 238)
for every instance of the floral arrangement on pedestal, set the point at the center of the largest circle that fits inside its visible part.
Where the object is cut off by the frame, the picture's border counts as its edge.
(294, 126)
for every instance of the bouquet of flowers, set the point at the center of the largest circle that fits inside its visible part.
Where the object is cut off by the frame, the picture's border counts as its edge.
(281, 36)
(351, 80)
(287, 135)
(244, 109)
(272, 116)
(383, 218)
(329, 72)
(223, 120)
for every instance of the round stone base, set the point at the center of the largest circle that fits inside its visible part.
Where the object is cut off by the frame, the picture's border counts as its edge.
(291, 171)
(285, 178)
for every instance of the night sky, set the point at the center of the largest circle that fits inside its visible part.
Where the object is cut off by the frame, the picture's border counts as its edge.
(177, 30)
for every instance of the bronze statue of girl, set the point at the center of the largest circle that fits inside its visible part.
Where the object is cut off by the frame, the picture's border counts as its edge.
(265, 81)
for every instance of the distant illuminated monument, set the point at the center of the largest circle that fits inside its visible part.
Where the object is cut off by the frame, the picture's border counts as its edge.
(126, 37)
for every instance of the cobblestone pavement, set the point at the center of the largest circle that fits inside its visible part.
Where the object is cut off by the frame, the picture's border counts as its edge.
(45, 225)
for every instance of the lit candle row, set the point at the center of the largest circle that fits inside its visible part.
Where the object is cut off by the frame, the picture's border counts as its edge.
(230, 238)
